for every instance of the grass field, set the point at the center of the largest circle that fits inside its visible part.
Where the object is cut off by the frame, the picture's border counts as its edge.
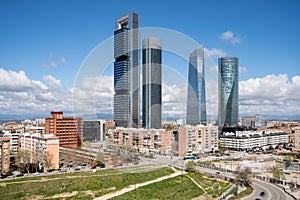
(85, 185)
(180, 187)
(212, 186)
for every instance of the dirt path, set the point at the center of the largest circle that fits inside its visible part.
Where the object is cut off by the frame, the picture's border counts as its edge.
(133, 187)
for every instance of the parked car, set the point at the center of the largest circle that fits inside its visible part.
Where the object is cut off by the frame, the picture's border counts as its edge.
(262, 194)
(19, 175)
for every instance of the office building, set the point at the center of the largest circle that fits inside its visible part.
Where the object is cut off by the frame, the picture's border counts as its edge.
(93, 131)
(228, 91)
(126, 71)
(152, 77)
(198, 139)
(68, 130)
(5, 154)
(251, 121)
(196, 98)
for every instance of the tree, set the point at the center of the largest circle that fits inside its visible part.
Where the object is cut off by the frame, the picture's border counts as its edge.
(243, 175)
(287, 162)
(48, 160)
(190, 166)
(87, 144)
(277, 173)
(100, 156)
(23, 160)
(126, 151)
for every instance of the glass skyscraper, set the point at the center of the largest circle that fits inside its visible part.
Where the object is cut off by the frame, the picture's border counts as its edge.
(126, 71)
(152, 77)
(196, 98)
(228, 91)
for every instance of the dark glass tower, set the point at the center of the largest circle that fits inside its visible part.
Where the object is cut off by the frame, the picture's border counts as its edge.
(196, 99)
(152, 76)
(228, 91)
(126, 71)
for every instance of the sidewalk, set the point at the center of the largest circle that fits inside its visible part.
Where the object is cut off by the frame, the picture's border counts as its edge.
(133, 187)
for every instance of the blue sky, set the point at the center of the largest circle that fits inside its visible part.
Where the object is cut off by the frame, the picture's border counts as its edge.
(52, 39)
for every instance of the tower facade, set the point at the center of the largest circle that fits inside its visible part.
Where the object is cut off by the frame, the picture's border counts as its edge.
(152, 77)
(228, 91)
(196, 99)
(126, 71)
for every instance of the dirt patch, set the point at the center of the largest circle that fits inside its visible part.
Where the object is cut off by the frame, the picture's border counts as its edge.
(64, 195)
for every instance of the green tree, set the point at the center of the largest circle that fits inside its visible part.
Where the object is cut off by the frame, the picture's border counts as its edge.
(277, 173)
(100, 156)
(243, 175)
(190, 166)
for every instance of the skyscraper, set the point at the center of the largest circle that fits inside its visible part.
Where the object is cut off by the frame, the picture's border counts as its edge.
(126, 71)
(152, 75)
(228, 91)
(196, 99)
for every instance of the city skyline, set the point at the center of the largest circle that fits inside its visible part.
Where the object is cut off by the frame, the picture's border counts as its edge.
(41, 53)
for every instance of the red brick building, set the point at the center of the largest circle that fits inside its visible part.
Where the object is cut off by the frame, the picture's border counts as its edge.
(68, 130)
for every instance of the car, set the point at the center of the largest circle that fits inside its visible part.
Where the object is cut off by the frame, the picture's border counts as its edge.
(19, 175)
(262, 194)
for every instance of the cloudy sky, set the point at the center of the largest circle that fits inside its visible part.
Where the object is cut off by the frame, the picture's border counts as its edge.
(44, 45)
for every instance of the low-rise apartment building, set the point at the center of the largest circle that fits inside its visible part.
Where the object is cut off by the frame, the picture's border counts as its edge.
(247, 140)
(143, 140)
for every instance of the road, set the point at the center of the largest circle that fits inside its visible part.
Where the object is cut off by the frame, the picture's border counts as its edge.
(272, 192)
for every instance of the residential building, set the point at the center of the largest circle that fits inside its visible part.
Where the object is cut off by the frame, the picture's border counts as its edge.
(152, 77)
(14, 135)
(43, 149)
(94, 131)
(126, 71)
(228, 91)
(196, 97)
(297, 139)
(248, 140)
(5, 154)
(68, 130)
(143, 140)
(198, 139)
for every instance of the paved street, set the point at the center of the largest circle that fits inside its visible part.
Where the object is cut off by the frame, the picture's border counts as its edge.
(272, 192)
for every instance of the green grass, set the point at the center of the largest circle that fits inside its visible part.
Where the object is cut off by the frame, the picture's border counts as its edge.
(100, 183)
(180, 187)
(211, 185)
(246, 192)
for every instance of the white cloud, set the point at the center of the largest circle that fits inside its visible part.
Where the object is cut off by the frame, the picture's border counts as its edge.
(230, 36)
(272, 94)
(214, 52)
(13, 81)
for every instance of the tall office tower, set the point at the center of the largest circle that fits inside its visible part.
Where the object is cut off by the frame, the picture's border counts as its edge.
(228, 91)
(196, 99)
(126, 71)
(152, 75)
